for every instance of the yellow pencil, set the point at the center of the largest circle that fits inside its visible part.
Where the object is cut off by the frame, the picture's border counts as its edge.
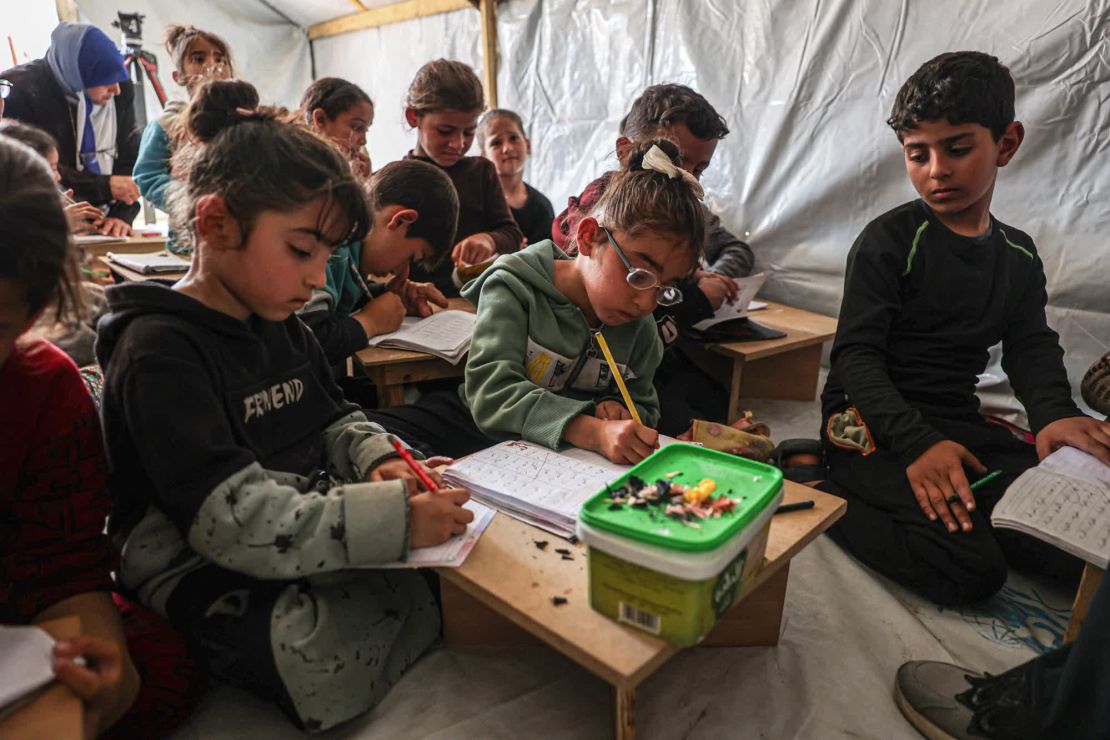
(617, 376)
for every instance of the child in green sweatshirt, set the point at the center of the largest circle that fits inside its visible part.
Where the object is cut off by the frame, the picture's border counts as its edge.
(535, 370)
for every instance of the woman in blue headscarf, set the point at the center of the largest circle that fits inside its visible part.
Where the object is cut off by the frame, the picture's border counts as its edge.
(81, 93)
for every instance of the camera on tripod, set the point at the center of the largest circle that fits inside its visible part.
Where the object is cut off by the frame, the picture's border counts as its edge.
(131, 24)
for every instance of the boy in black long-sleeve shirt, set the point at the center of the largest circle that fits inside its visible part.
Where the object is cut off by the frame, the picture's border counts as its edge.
(930, 287)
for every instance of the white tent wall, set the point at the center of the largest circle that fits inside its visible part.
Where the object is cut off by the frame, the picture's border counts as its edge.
(805, 88)
(269, 50)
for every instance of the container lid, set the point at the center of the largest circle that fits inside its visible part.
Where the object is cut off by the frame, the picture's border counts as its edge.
(753, 486)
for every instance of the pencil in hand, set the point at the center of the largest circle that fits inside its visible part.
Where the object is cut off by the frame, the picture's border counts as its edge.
(617, 377)
(411, 462)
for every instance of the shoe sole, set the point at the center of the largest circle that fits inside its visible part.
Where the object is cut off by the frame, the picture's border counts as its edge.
(920, 722)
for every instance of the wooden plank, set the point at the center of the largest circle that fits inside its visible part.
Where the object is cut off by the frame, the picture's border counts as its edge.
(624, 713)
(384, 15)
(757, 619)
(488, 9)
(791, 376)
(1088, 585)
(803, 328)
(134, 245)
(511, 576)
(57, 711)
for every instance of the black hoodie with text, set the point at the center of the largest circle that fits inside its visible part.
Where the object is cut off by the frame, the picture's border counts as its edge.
(230, 444)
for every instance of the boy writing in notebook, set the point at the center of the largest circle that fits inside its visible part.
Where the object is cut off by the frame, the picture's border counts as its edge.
(929, 287)
(414, 209)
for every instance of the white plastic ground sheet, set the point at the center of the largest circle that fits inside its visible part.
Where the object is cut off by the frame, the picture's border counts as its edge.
(845, 632)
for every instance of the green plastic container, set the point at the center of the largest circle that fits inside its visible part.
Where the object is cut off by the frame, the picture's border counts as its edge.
(653, 572)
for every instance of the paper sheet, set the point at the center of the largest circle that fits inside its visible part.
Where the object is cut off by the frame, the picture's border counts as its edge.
(453, 552)
(25, 662)
(739, 308)
(1064, 501)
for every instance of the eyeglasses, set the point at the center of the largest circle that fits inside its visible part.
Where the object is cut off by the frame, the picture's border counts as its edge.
(5, 89)
(642, 279)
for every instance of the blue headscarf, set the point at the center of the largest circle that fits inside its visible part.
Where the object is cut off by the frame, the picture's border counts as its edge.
(82, 56)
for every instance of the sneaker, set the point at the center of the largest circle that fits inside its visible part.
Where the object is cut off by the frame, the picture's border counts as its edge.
(944, 701)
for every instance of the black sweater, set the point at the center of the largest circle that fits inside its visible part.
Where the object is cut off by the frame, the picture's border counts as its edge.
(922, 307)
(38, 99)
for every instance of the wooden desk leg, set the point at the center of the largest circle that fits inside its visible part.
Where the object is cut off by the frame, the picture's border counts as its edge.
(734, 385)
(1088, 584)
(624, 713)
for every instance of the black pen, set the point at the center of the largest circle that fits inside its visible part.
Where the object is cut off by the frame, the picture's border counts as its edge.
(797, 506)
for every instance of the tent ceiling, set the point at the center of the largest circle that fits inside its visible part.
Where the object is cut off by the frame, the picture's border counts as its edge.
(309, 12)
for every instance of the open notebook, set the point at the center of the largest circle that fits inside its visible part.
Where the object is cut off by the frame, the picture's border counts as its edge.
(738, 309)
(536, 484)
(1064, 501)
(444, 334)
(453, 552)
(150, 263)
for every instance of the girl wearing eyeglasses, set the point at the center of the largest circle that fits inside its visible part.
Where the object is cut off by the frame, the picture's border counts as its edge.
(535, 370)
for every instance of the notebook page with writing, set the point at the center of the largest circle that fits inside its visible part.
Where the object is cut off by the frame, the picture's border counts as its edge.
(539, 485)
(1064, 501)
(444, 333)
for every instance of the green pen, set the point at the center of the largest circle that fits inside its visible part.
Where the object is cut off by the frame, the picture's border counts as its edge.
(985, 479)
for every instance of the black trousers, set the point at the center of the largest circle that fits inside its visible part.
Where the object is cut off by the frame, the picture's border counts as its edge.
(437, 424)
(1071, 685)
(885, 528)
(686, 392)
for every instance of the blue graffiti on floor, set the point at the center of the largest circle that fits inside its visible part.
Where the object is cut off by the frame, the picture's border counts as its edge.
(1019, 617)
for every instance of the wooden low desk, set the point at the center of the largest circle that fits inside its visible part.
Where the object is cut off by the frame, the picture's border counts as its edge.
(781, 369)
(132, 245)
(503, 594)
(1088, 585)
(390, 369)
(127, 275)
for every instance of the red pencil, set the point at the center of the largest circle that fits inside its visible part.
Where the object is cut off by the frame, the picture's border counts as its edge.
(411, 462)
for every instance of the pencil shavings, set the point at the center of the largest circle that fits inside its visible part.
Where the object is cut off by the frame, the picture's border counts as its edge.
(684, 503)
(558, 600)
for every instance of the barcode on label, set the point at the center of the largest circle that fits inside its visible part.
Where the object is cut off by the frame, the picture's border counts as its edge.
(638, 618)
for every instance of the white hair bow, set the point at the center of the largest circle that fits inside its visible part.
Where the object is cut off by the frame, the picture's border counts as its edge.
(656, 159)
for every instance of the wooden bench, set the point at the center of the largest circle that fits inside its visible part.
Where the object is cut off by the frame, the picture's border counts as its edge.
(502, 595)
(132, 245)
(783, 369)
(1088, 585)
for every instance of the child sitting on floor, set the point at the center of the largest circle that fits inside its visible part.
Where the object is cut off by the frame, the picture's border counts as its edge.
(534, 370)
(413, 211)
(678, 113)
(245, 487)
(55, 559)
(443, 105)
(198, 56)
(502, 141)
(930, 286)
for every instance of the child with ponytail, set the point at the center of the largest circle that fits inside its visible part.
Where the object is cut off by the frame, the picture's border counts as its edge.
(246, 489)
(197, 56)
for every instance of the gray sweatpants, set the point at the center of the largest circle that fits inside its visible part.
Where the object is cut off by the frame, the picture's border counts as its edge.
(326, 648)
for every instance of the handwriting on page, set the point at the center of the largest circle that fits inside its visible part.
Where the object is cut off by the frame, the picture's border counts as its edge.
(1069, 509)
(444, 330)
(535, 474)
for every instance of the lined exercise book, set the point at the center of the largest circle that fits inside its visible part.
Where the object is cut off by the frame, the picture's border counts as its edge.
(152, 263)
(738, 309)
(444, 334)
(536, 484)
(1064, 501)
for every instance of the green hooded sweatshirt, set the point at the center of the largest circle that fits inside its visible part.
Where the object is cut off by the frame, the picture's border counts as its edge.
(534, 362)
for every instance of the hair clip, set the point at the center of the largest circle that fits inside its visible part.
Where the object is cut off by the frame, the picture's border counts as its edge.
(657, 160)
